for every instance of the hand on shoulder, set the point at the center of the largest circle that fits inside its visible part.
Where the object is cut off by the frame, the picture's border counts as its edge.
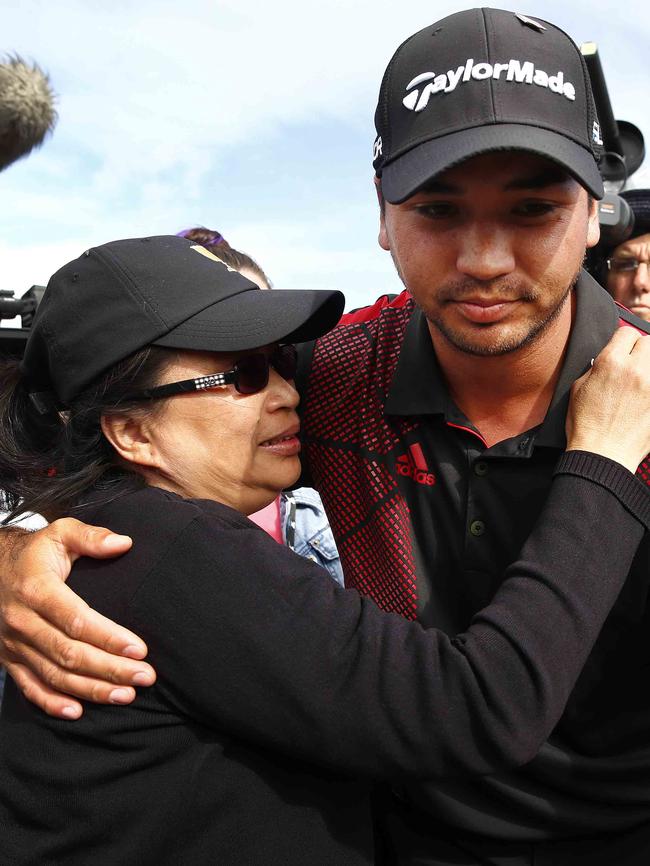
(609, 412)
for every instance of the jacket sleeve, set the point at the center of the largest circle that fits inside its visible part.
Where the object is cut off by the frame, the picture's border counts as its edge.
(251, 640)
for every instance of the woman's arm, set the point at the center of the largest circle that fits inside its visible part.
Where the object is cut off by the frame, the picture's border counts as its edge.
(253, 641)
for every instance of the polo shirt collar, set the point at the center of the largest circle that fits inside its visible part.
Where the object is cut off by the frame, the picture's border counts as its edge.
(419, 387)
(596, 319)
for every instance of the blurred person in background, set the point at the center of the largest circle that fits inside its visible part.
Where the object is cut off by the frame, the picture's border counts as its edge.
(235, 259)
(627, 274)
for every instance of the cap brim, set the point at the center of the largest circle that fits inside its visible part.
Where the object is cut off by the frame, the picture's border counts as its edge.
(402, 177)
(256, 318)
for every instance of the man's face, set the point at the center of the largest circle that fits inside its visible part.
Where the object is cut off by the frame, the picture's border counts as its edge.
(491, 248)
(628, 284)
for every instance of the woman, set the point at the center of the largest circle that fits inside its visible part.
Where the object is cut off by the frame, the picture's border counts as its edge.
(296, 517)
(163, 406)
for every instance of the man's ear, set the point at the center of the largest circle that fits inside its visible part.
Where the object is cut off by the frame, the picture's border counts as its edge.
(383, 235)
(131, 437)
(593, 227)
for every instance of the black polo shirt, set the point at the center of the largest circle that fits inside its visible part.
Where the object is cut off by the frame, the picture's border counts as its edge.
(471, 523)
(427, 518)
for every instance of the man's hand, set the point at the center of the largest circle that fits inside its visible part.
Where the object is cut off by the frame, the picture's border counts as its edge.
(51, 642)
(609, 412)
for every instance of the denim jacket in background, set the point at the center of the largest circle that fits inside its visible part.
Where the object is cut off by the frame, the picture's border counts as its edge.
(306, 530)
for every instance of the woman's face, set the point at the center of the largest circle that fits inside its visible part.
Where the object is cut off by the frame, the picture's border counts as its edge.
(241, 450)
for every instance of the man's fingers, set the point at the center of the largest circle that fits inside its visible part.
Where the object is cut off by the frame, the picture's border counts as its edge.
(53, 643)
(57, 655)
(60, 703)
(79, 539)
(69, 614)
(94, 628)
(74, 669)
(51, 702)
(641, 347)
(622, 343)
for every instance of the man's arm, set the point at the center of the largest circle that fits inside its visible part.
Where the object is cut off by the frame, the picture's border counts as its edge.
(55, 646)
(50, 638)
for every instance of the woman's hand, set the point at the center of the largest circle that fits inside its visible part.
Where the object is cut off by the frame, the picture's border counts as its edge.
(609, 412)
(51, 642)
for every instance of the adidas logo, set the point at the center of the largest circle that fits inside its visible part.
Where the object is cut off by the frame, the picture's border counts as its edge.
(414, 466)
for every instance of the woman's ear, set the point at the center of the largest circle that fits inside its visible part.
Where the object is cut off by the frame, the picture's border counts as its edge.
(131, 437)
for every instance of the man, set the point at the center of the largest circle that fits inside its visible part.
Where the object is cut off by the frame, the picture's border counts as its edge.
(433, 423)
(628, 265)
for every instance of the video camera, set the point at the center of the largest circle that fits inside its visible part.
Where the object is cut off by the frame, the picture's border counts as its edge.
(12, 340)
(624, 153)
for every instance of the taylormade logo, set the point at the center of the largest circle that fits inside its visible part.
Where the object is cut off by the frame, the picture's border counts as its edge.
(520, 72)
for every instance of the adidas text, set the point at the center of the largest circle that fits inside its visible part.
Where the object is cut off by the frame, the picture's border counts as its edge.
(406, 466)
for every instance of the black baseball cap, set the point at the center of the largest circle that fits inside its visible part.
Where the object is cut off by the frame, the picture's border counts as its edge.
(162, 291)
(478, 81)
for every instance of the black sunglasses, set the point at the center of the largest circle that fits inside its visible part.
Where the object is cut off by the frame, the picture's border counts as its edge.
(249, 375)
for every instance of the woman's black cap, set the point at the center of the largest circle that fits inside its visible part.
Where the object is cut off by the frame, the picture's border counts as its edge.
(164, 291)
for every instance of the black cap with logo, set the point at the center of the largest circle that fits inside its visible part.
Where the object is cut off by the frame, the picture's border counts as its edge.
(164, 291)
(478, 81)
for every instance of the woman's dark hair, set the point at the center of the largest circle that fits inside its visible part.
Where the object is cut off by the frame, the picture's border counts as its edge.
(48, 462)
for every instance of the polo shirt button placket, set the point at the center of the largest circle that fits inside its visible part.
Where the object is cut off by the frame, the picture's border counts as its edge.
(477, 528)
(480, 468)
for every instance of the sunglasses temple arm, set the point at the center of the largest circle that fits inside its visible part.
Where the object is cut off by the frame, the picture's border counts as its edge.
(187, 386)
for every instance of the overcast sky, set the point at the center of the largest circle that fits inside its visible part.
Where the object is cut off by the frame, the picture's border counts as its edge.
(255, 118)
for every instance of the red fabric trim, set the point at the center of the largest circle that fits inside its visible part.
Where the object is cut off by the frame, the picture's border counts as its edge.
(367, 314)
(623, 324)
(467, 430)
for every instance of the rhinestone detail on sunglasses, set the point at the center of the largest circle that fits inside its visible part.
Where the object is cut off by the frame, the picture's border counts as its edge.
(246, 381)
(210, 381)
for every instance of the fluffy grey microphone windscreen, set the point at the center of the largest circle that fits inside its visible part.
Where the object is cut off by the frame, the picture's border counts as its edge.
(27, 112)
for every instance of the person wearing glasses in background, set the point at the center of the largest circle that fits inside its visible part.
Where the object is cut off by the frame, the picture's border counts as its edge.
(168, 412)
(627, 276)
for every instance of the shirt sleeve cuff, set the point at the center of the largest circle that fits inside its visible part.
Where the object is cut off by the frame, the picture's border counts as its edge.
(631, 492)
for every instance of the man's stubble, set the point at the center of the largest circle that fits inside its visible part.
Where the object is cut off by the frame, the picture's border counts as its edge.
(504, 288)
